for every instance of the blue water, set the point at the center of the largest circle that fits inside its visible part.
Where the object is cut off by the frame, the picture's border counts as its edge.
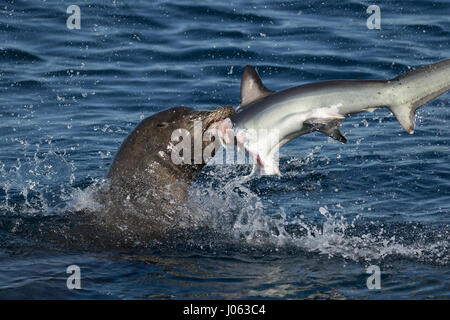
(68, 98)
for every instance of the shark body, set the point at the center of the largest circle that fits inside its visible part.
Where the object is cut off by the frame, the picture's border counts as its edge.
(322, 106)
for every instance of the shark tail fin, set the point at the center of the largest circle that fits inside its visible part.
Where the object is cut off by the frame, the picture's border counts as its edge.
(415, 88)
(405, 115)
(406, 112)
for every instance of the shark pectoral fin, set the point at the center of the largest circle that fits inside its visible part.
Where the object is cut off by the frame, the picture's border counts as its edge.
(330, 127)
(335, 133)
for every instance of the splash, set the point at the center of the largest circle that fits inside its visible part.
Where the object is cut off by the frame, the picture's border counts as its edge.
(42, 183)
(241, 215)
(37, 180)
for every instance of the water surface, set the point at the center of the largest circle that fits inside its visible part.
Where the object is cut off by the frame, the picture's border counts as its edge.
(69, 97)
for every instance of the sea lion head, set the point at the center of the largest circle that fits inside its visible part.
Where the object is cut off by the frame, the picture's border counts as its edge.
(168, 140)
(187, 133)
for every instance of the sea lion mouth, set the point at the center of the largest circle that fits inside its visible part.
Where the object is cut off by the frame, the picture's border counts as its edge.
(216, 116)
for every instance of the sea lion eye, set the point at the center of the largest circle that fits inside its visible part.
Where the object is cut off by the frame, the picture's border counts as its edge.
(162, 125)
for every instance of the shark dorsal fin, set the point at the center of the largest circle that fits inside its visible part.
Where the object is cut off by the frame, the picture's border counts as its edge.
(252, 88)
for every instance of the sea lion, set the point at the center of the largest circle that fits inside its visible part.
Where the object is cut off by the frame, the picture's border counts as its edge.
(145, 197)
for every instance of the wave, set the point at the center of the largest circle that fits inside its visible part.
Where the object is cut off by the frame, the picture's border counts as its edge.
(15, 55)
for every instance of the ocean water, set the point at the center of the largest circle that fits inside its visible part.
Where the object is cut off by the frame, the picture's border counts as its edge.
(68, 98)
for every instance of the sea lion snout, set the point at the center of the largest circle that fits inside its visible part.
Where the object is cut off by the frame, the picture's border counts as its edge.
(216, 115)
